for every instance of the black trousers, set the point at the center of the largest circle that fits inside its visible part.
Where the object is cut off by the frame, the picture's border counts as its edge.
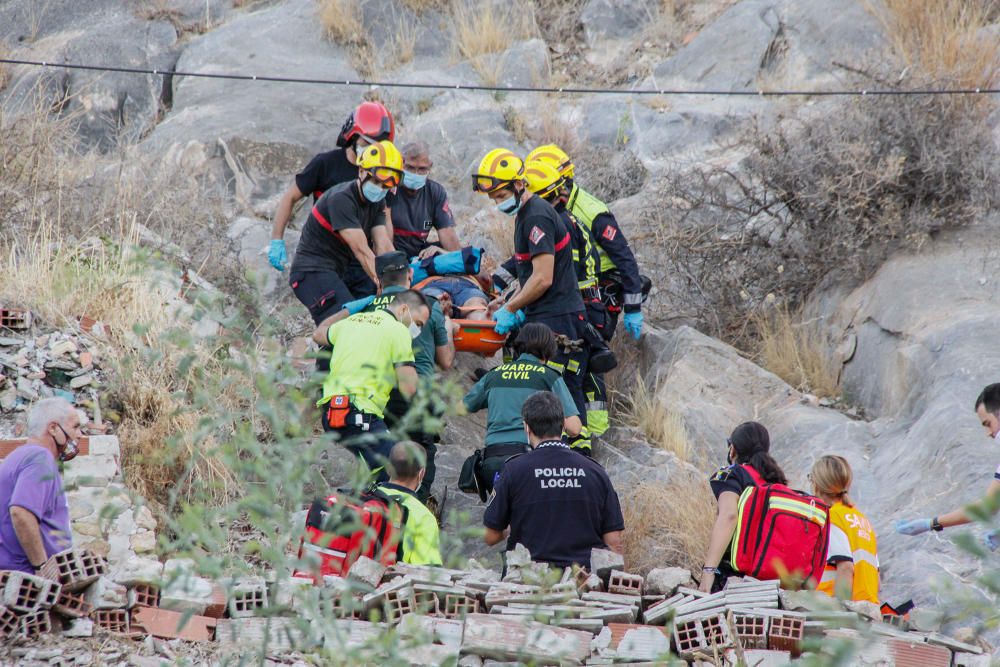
(371, 445)
(494, 459)
(326, 292)
(413, 428)
(573, 364)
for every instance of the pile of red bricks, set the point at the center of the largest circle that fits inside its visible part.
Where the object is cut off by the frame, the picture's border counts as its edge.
(440, 615)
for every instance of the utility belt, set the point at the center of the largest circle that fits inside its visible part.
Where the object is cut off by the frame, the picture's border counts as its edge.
(341, 413)
(613, 292)
(471, 477)
(493, 451)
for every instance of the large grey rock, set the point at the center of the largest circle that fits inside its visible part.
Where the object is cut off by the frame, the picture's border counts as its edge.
(925, 327)
(460, 134)
(394, 24)
(110, 108)
(250, 238)
(258, 134)
(524, 64)
(767, 41)
(665, 580)
(753, 45)
(615, 19)
(608, 123)
(663, 134)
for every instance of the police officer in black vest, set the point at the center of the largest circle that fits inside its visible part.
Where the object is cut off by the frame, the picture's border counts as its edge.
(557, 502)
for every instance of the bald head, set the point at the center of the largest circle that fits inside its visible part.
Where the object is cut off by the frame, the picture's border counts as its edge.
(407, 461)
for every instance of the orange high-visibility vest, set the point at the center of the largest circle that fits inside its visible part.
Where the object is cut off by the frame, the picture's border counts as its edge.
(864, 551)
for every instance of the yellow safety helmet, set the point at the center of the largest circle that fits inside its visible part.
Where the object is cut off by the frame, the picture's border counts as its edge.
(555, 156)
(499, 169)
(384, 162)
(543, 178)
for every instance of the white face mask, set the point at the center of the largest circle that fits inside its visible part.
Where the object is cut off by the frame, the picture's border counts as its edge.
(415, 330)
(997, 436)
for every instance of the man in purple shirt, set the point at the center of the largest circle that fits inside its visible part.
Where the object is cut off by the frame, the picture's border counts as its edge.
(34, 516)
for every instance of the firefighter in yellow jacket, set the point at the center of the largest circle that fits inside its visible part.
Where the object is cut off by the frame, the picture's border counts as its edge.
(852, 569)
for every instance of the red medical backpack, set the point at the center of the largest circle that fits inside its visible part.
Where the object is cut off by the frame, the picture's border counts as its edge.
(340, 531)
(780, 533)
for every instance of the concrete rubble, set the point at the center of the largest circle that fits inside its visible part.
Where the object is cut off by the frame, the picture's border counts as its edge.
(106, 586)
(37, 365)
(465, 617)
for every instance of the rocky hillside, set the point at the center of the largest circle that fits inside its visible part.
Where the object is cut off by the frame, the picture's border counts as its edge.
(910, 330)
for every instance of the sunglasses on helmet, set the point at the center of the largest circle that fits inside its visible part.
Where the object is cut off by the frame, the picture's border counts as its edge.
(387, 177)
(488, 184)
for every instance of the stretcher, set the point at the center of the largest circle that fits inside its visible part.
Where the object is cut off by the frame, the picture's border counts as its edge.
(478, 336)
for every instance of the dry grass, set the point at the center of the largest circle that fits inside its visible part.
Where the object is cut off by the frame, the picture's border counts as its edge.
(515, 124)
(663, 428)
(944, 38)
(500, 230)
(668, 524)
(342, 20)
(420, 6)
(796, 352)
(5, 74)
(69, 226)
(553, 129)
(485, 28)
(403, 44)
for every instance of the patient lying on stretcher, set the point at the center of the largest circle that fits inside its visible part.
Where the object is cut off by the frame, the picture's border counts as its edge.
(461, 297)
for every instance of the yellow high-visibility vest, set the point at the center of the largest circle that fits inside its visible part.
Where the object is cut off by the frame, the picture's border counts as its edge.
(864, 551)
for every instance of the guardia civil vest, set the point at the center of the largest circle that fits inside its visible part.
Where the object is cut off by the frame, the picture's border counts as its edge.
(585, 207)
(864, 551)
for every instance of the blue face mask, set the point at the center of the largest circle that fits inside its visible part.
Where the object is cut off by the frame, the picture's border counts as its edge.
(414, 181)
(372, 192)
(510, 205)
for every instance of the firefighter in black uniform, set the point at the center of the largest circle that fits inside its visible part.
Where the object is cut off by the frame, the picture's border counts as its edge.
(622, 287)
(369, 123)
(543, 255)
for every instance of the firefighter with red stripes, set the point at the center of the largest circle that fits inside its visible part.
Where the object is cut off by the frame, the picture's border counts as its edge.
(419, 206)
(543, 256)
(335, 260)
(368, 123)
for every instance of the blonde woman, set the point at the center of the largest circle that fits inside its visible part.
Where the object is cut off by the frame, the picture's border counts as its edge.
(852, 569)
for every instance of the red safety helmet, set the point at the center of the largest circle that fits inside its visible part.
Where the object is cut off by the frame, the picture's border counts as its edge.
(370, 119)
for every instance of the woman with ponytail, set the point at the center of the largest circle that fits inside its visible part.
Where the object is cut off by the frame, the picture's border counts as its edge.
(851, 571)
(748, 445)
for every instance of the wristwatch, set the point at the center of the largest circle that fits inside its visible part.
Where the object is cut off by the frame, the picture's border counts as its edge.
(936, 525)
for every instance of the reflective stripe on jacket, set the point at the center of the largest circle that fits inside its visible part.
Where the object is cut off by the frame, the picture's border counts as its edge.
(864, 552)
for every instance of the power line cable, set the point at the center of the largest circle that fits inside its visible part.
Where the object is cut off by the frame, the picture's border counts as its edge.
(568, 90)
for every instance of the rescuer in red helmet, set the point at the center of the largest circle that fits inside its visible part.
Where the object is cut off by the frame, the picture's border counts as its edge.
(369, 123)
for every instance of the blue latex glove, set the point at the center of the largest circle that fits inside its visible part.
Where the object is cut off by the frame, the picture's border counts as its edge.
(277, 255)
(506, 321)
(521, 317)
(990, 539)
(356, 306)
(913, 526)
(633, 324)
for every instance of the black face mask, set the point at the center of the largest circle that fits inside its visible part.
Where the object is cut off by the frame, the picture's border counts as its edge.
(69, 449)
